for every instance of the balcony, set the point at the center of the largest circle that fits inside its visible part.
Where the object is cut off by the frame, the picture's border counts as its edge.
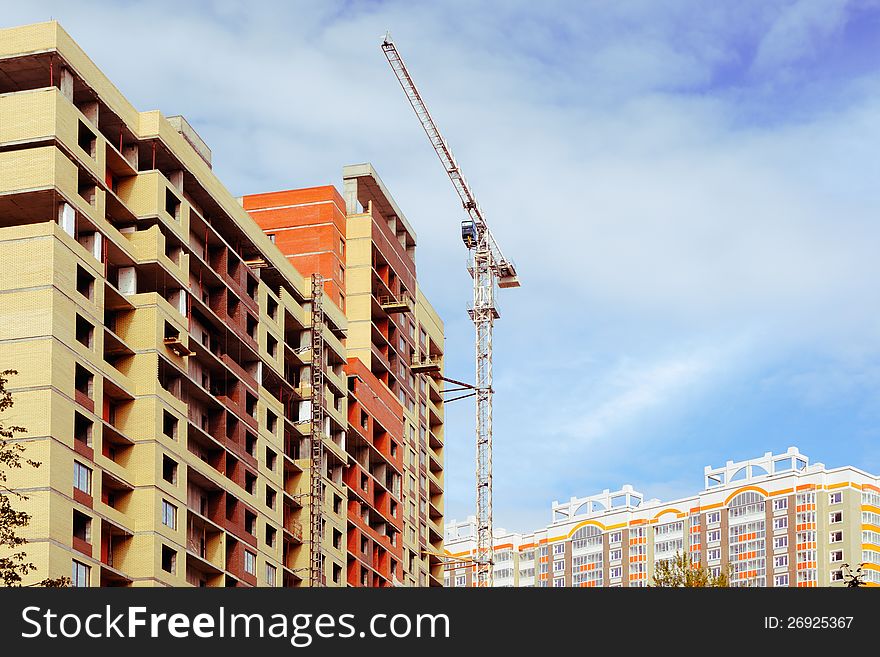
(396, 304)
(426, 365)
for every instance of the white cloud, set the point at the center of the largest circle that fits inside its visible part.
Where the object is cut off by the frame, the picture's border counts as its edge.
(650, 202)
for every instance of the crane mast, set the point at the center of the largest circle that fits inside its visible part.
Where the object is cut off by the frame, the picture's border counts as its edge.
(489, 268)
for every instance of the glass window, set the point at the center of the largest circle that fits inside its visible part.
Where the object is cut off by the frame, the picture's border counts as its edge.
(270, 574)
(835, 498)
(169, 515)
(250, 562)
(80, 575)
(82, 478)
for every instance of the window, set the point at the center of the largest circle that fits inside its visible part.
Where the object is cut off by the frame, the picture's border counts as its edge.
(271, 496)
(614, 537)
(615, 555)
(82, 478)
(835, 498)
(780, 580)
(82, 429)
(271, 237)
(337, 504)
(272, 346)
(337, 539)
(780, 542)
(80, 575)
(172, 204)
(85, 283)
(169, 514)
(836, 555)
(250, 482)
(713, 554)
(270, 459)
(169, 469)
(169, 425)
(272, 308)
(86, 139)
(460, 580)
(169, 559)
(337, 573)
(82, 527)
(271, 421)
(835, 537)
(559, 548)
(713, 536)
(85, 332)
(713, 517)
(83, 381)
(270, 575)
(250, 562)
(780, 523)
(835, 516)
(558, 582)
(250, 440)
(558, 566)
(271, 534)
(780, 504)
(836, 575)
(780, 561)
(250, 522)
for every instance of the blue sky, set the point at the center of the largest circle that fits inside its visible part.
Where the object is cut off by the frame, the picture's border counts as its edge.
(687, 188)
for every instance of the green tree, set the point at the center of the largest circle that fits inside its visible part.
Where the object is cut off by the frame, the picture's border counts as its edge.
(680, 571)
(853, 579)
(13, 563)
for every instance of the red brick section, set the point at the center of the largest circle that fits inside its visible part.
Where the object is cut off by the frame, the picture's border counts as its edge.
(308, 225)
(375, 427)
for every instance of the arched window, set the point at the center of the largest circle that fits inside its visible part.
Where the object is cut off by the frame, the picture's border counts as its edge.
(746, 503)
(586, 538)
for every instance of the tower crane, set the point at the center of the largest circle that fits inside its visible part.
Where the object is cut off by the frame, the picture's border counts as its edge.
(488, 267)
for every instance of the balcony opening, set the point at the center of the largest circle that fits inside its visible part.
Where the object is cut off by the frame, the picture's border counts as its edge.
(86, 139)
(272, 346)
(250, 444)
(172, 204)
(251, 405)
(169, 559)
(271, 497)
(251, 326)
(252, 287)
(86, 187)
(85, 332)
(82, 429)
(271, 458)
(82, 527)
(169, 425)
(169, 469)
(85, 283)
(83, 381)
(271, 534)
(250, 482)
(272, 308)
(250, 522)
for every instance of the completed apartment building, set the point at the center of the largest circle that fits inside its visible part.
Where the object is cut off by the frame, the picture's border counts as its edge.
(776, 521)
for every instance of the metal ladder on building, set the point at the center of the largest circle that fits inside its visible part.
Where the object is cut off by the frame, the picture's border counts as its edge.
(316, 508)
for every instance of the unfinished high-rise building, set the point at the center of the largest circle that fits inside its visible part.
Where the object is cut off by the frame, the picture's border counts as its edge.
(363, 246)
(164, 351)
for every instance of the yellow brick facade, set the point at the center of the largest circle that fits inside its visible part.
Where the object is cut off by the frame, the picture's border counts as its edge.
(135, 304)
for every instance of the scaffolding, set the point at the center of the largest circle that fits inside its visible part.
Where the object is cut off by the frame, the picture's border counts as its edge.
(316, 499)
